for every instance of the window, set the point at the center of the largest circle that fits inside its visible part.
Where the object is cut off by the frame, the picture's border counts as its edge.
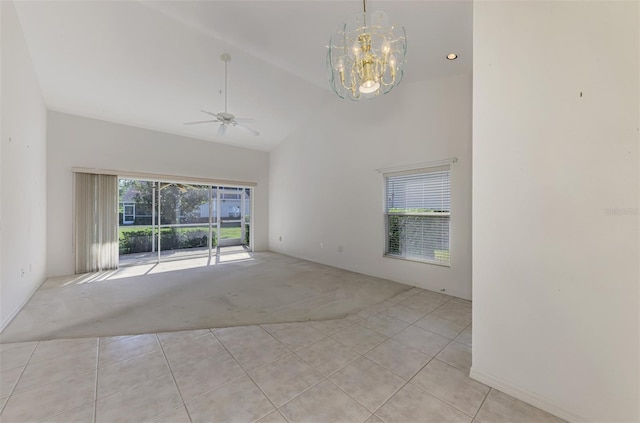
(128, 213)
(417, 214)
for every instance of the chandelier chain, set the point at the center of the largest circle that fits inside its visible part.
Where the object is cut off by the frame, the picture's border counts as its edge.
(226, 85)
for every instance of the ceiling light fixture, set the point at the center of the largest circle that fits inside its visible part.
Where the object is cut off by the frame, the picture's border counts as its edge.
(366, 57)
(225, 118)
(452, 56)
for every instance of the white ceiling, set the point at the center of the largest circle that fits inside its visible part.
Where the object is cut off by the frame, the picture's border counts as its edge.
(155, 64)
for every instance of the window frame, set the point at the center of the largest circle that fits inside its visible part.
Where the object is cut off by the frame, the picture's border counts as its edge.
(126, 204)
(436, 167)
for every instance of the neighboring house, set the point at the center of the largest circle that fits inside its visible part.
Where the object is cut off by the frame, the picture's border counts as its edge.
(230, 200)
(230, 206)
(128, 206)
(130, 209)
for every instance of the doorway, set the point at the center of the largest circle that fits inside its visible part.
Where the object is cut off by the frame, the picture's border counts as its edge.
(162, 220)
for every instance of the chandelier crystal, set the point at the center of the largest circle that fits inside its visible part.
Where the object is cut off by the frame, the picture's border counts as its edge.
(366, 56)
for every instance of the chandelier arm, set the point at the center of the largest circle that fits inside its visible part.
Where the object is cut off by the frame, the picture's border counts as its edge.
(392, 71)
(343, 80)
(351, 87)
(393, 80)
(354, 85)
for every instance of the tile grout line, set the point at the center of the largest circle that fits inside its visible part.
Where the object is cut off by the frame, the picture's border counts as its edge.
(403, 385)
(356, 401)
(366, 352)
(465, 328)
(19, 377)
(425, 365)
(303, 391)
(174, 380)
(442, 399)
(481, 404)
(133, 356)
(291, 351)
(361, 355)
(134, 384)
(335, 371)
(172, 343)
(324, 378)
(294, 353)
(392, 371)
(422, 317)
(247, 374)
(305, 346)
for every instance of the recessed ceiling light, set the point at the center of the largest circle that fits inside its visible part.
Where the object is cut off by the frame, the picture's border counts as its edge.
(452, 56)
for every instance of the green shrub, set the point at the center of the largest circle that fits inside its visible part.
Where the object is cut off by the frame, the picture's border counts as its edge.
(395, 229)
(140, 241)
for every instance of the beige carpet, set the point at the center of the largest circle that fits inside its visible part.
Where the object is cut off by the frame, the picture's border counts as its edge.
(237, 288)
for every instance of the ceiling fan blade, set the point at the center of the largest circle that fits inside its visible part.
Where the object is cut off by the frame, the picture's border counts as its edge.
(200, 121)
(209, 113)
(237, 119)
(246, 128)
(222, 129)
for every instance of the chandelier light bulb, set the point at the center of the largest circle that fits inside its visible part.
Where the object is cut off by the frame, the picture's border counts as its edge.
(386, 47)
(369, 87)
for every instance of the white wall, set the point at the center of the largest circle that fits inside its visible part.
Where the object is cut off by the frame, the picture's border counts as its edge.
(23, 175)
(324, 187)
(555, 205)
(80, 142)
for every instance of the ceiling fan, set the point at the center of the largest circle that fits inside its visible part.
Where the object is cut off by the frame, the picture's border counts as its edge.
(225, 118)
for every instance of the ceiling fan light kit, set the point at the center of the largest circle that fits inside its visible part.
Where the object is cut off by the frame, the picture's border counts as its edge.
(225, 118)
(366, 56)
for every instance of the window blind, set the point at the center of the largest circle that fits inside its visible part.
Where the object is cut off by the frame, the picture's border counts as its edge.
(417, 215)
(96, 222)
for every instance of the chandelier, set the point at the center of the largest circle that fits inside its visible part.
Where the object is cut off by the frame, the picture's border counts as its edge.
(366, 57)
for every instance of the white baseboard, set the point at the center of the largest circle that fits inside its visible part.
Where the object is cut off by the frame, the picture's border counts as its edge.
(526, 396)
(362, 272)
(15, 312)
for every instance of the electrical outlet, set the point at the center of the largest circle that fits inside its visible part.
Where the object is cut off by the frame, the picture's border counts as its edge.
(321, 245)
(280, 238)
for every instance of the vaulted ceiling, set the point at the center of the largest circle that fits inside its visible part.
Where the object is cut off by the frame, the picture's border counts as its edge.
(155, 64)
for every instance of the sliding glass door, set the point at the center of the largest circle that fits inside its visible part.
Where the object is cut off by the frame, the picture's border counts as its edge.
(230, 215)
(137, 221)
(168, 220)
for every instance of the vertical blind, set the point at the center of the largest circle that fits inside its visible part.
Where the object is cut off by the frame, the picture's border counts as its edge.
(96, 222)
(417, 214)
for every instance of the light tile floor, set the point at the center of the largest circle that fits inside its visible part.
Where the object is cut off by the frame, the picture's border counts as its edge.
(403, 360)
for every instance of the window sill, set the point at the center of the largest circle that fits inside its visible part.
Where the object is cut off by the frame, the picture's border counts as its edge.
(435, 263)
